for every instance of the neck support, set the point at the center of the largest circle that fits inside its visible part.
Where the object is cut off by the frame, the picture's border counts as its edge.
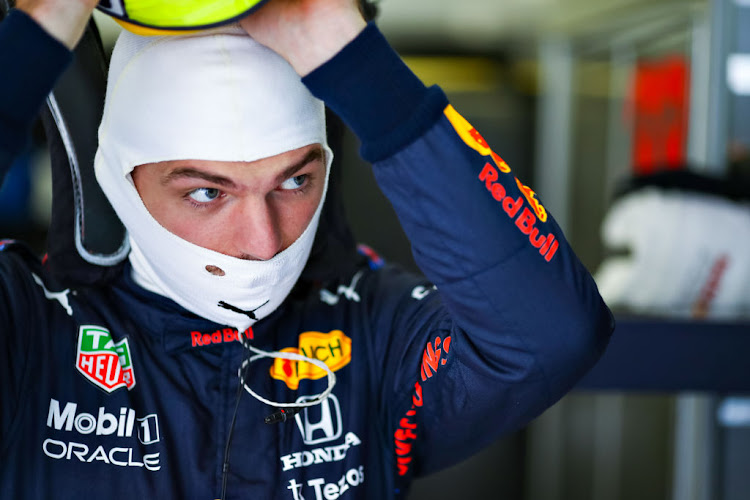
(215, 95)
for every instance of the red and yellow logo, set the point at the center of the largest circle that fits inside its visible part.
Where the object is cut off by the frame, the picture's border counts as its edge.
(333, 348)
(530, 195)
(473, 139)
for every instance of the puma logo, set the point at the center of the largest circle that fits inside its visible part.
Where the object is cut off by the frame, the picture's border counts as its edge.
(61, 297)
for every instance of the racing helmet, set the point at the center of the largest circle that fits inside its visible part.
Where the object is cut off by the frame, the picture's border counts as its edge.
(164, 17)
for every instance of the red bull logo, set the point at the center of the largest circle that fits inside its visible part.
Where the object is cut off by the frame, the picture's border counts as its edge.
(530, 196)
(525, 219)
(473, 138)
(333, 348)
(219, 336)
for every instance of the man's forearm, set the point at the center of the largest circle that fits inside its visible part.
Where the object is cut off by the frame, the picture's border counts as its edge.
(306, 33)
(65, 20)
(31, 61)
(35, 45)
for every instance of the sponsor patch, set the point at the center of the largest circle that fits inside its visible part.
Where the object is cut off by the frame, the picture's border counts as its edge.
(61, 297)
(120, 428)
(525, 219)
(219, 336)
(105, 363)
(349, 292)
(333, 348)
(322, 489)
(530, 196)
(473, 139)
(434, 357)
(319, 423)
(420, 292)
(321, 455)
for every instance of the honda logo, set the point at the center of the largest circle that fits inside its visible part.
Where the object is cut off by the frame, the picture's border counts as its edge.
(320, 423)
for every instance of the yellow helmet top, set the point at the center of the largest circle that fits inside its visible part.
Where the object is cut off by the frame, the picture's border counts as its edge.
(175, 17)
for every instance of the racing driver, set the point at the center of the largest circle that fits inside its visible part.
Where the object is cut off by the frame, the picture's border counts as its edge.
(213, 152)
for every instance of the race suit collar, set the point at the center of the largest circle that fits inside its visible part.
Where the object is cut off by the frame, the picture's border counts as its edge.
(170, 325)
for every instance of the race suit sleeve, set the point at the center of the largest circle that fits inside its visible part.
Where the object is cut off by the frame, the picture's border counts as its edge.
(516, 319)
(30, 62)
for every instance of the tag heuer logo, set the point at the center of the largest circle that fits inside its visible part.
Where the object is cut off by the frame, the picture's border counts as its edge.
(102, 361)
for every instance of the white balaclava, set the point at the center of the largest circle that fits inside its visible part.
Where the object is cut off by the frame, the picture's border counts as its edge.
(215, 95)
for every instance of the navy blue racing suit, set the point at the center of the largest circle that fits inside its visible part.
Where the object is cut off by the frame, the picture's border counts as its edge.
(115, 392)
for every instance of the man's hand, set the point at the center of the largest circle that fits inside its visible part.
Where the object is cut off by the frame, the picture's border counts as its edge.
(65, 20)
(306, 33)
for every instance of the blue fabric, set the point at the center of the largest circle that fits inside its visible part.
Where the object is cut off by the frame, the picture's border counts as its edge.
(426, 375)
(383, 102)
(15, 193)
(31, 62)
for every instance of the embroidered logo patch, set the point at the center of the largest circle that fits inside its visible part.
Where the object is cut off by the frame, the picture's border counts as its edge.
(473, 139)
(102, 361)
(333, 348)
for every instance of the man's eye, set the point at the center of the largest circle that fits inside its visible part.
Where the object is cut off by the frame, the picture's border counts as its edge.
(204, 195)
(294, 182)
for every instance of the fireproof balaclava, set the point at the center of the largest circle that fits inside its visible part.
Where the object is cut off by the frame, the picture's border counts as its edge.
(215, 95)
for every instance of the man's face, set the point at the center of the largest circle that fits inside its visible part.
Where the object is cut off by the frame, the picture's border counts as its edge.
(249, 210)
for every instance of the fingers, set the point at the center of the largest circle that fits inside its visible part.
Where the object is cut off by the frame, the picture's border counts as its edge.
(306, 33)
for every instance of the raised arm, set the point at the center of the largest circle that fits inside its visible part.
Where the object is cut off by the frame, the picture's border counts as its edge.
(306, 33)
(35, 40)
(516, 319)
(35, 47)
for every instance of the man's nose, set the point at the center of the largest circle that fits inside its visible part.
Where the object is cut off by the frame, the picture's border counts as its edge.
(257, 234)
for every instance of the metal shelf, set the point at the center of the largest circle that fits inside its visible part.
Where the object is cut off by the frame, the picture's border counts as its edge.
(670, 355)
